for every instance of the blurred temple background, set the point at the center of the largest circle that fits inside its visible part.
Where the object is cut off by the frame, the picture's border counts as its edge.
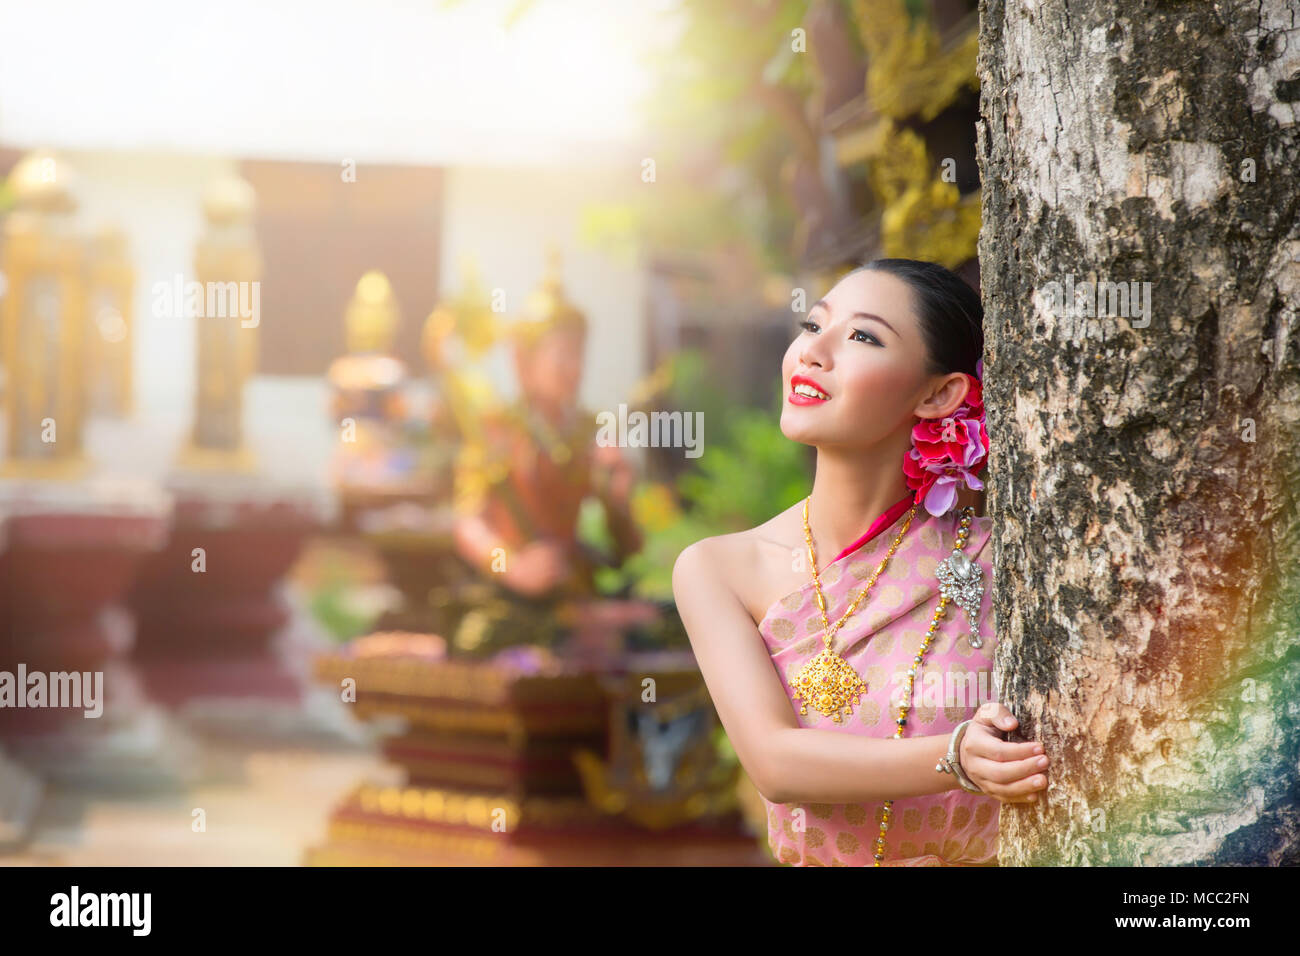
(310, 320)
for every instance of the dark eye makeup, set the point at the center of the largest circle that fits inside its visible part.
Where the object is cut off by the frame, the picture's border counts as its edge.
(811, 326)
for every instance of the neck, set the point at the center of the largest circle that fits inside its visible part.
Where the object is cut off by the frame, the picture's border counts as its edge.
(851, 489)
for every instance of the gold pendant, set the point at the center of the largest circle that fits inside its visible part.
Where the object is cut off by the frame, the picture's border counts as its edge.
(830, 684)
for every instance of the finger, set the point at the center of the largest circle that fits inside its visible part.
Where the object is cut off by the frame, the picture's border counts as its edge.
(995, 714)
(1014, 790)
(984, 744)
(1009, 771)
(1027, 787)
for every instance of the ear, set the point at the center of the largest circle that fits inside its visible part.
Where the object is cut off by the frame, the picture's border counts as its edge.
(945, 396)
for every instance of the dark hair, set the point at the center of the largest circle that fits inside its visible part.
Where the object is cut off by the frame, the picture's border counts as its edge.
(952, 317)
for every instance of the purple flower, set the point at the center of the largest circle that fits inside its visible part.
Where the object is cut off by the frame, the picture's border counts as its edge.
(942, 495)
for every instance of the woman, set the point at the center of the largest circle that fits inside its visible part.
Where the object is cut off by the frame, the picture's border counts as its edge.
(882, 378)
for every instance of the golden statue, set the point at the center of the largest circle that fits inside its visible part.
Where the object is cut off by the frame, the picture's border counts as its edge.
(372, 315)
(456, 336)
(375, 461)
(108, 332)
(522, 478)
(43, 318)
(226, 304)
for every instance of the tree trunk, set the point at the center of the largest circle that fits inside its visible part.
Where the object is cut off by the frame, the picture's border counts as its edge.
(1145, 468)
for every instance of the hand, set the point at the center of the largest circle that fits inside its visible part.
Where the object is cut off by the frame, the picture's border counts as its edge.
(613, 472)
(537, 568)
(1008, 771)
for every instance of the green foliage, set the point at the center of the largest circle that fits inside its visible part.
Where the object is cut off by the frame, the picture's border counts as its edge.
(649, 572)
(757, 473)
(726, 753)
(749, 471)
(711, 112)
(614, 228)
(593, 529)
(917, 10)
(332, 607)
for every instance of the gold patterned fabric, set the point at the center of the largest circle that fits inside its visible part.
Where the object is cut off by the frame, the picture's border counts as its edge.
(952, 828)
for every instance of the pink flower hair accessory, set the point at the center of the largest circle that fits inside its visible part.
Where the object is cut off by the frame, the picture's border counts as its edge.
(947, 452)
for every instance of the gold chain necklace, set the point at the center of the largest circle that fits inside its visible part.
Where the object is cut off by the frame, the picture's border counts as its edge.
(838, 667)
(963, 531)
(828, 681)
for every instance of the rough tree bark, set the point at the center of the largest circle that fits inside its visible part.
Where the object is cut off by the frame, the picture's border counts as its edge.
(1145, 470)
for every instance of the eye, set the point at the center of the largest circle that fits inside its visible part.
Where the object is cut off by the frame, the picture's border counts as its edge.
(858, 335)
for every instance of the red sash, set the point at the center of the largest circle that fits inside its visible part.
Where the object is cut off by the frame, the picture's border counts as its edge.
(894, 512)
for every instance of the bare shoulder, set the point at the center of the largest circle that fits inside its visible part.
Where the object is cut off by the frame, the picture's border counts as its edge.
(707, 561)
(751, 565)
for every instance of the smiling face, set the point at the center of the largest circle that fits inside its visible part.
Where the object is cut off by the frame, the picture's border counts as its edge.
(862, 364)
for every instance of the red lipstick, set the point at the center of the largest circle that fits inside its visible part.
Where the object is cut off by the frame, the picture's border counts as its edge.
(795, 398)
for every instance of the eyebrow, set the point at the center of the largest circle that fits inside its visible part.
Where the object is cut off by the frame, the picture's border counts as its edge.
(857, 315)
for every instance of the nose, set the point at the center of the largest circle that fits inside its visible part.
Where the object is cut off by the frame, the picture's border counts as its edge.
(814, 353)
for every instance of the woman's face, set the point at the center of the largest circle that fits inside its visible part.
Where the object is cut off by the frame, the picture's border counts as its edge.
(861, 348)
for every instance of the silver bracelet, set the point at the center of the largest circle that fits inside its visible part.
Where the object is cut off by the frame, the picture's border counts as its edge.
(951, 762)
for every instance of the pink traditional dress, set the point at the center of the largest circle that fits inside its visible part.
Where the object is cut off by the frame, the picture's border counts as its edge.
(880, 639)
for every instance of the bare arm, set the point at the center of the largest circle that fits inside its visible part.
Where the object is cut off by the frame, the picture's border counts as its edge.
(786, 762)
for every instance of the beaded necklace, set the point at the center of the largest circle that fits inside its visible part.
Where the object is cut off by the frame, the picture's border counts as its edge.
(837, 675)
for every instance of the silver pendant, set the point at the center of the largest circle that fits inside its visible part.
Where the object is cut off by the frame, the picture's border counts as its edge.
(961, 581)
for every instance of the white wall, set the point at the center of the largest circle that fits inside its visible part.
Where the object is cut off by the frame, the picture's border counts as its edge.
(156, 199)
(505, 217)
